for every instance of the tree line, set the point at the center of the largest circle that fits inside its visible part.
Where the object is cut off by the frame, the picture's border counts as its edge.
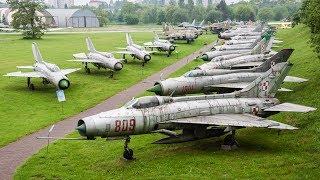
(154, 12)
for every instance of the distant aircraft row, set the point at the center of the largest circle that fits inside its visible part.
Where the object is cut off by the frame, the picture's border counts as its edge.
(51, 73)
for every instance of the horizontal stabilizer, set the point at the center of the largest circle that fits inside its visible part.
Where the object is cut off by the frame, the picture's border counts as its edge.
(25, 74)
(80, 56)
(294, 79)
(284, 90)
(68, 71)
(25, 67)
(290, 107)
(234, 120)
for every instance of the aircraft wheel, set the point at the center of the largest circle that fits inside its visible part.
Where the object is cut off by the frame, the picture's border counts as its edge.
(125, 61)
(88, 70)
(143, 64)
(31, 87)
(128, 154)
(230, 140)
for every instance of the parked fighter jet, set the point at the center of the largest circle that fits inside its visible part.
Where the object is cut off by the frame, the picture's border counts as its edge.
(50, 73)
(187, 24)
(99, 59)
(135, 51)
(199, 117)
(192, 83)
(172, 34)
(161, 45)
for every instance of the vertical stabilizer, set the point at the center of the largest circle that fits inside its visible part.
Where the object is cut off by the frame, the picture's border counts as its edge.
(280, 57)
(129, 39)
(90, 45)
(156, 37)
(36, 53)
(201, 24)
(193, 23)
(268, 83)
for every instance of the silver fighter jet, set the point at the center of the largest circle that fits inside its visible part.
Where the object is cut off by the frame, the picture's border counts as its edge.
(192, 83)
(160, 45)
(99, 59)
(50, 73)
(199, 117)
(135, 51)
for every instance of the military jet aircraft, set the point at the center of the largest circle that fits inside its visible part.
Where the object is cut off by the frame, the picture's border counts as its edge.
(192, 83)
(199, 117)
(135, 51)
(187, 24)
(99, 59)
(50, 73)
(161, 45)
(172, 34)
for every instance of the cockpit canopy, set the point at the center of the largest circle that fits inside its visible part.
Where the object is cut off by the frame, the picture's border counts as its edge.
(52, 67)
(194, 73)
(147, 102)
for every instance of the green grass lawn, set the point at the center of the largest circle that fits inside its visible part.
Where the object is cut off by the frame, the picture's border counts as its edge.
(262, 153)
(23, 112)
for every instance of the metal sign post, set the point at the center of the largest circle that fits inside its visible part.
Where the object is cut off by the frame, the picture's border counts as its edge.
(61, 98)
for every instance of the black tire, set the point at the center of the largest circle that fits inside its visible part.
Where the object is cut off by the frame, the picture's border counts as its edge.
(230, 140)
(31, 87)
(88, 70)
(128, 154)
(125, 61)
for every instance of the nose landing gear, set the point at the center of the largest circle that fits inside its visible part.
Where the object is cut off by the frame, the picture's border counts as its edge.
(127, 152)
(230, 142)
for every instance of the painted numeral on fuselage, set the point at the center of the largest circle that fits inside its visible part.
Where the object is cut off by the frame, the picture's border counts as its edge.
(125, 125)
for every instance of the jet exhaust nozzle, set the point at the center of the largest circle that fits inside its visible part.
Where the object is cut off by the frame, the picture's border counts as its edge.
(64, 84)
(147, 58)
(156, 89)
(205, 57)
(118, 66)
(81, 128)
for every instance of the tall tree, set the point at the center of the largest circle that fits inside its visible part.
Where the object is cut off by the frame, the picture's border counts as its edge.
(244, 12)
(27, 19)
(181, 3)
(224, 9)
(199, 3)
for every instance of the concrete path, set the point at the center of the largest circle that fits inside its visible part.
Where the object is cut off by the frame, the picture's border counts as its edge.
(16, 153)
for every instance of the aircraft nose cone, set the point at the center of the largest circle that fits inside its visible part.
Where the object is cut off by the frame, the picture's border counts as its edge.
(118, 66)
(147, 58)
(156, 89)
(172, 48)
(204, 57)
(64, 84)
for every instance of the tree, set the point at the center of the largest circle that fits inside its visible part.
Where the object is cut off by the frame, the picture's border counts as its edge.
(181, 3)
(214, 16)
(224, 9)
(172, 2)
(27, 19)
(280, 12)
(161, 16)
(244, 12)
(309, 15)
(199, 3)
(265, 14)
(131, 19)
(102, 15)
(180, 15)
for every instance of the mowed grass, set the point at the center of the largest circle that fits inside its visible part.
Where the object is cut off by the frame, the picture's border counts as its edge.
(23, 112)
(262, 153)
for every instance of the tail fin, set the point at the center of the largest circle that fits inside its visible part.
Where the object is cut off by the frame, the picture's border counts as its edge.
(258, 28)
(156, 37)
(36, 53)
(129, 39)
(268, 83)
(280, 57)
(201, 24)
(90, 45)
(193, 22)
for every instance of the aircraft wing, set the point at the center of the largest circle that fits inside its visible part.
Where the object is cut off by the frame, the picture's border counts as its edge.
(123, 52)
(290, 107)
(25, 74)
(25, 67)
(85, 60)
(80, 56)
(239, 85)
(294, 79)
(248, 64)
(68, 71)
(235, 120)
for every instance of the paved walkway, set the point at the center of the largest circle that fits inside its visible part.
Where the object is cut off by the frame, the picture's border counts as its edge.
(16, 153)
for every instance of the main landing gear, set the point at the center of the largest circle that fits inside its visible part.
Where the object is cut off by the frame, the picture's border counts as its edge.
(230, 142)
(124, 58)
(127, 152)
(30, 85)
(86, 68)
